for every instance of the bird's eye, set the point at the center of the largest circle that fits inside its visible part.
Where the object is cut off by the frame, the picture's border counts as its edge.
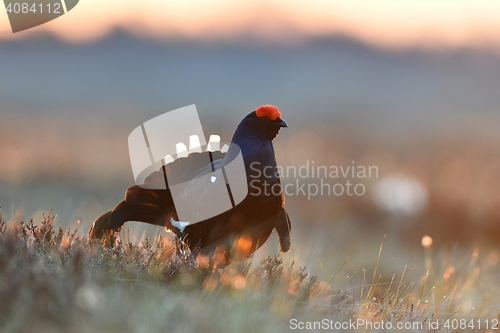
(264, 119)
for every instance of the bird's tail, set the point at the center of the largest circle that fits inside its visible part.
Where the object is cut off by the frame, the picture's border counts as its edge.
(101, 228)
(140, 204)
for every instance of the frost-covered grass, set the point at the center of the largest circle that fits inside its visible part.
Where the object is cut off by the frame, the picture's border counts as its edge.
(52, 280)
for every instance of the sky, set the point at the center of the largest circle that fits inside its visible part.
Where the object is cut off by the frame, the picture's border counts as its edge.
(387, 23)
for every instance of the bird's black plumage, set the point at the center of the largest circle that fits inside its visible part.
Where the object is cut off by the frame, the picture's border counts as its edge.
(243, 228)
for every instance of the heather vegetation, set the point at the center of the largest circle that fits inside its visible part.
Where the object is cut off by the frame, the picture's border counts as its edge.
(53, 280)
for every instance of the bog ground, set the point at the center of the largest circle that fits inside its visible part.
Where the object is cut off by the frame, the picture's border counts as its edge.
(54, 281)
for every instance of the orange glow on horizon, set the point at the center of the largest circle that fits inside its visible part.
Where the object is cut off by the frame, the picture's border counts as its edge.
(393, 23)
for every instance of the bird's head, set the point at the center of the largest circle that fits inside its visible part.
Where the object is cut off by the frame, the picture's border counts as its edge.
(264, 123)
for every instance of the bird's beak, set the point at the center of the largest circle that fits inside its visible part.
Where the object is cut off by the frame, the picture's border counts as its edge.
(280, 123)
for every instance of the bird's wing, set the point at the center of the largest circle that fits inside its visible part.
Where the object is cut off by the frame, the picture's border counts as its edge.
(283, 228)
(206, 193)
(152, 201)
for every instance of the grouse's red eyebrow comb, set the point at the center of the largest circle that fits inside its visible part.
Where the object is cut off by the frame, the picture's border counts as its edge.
(268, 111)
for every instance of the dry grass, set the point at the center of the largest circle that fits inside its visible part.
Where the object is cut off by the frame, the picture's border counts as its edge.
(52, 280)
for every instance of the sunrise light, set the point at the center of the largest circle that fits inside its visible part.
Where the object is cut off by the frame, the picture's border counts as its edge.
(388, 23)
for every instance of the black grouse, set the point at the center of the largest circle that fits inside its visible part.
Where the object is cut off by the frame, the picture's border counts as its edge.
(243, 228)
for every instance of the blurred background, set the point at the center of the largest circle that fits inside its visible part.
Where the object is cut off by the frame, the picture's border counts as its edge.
(411, 87)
